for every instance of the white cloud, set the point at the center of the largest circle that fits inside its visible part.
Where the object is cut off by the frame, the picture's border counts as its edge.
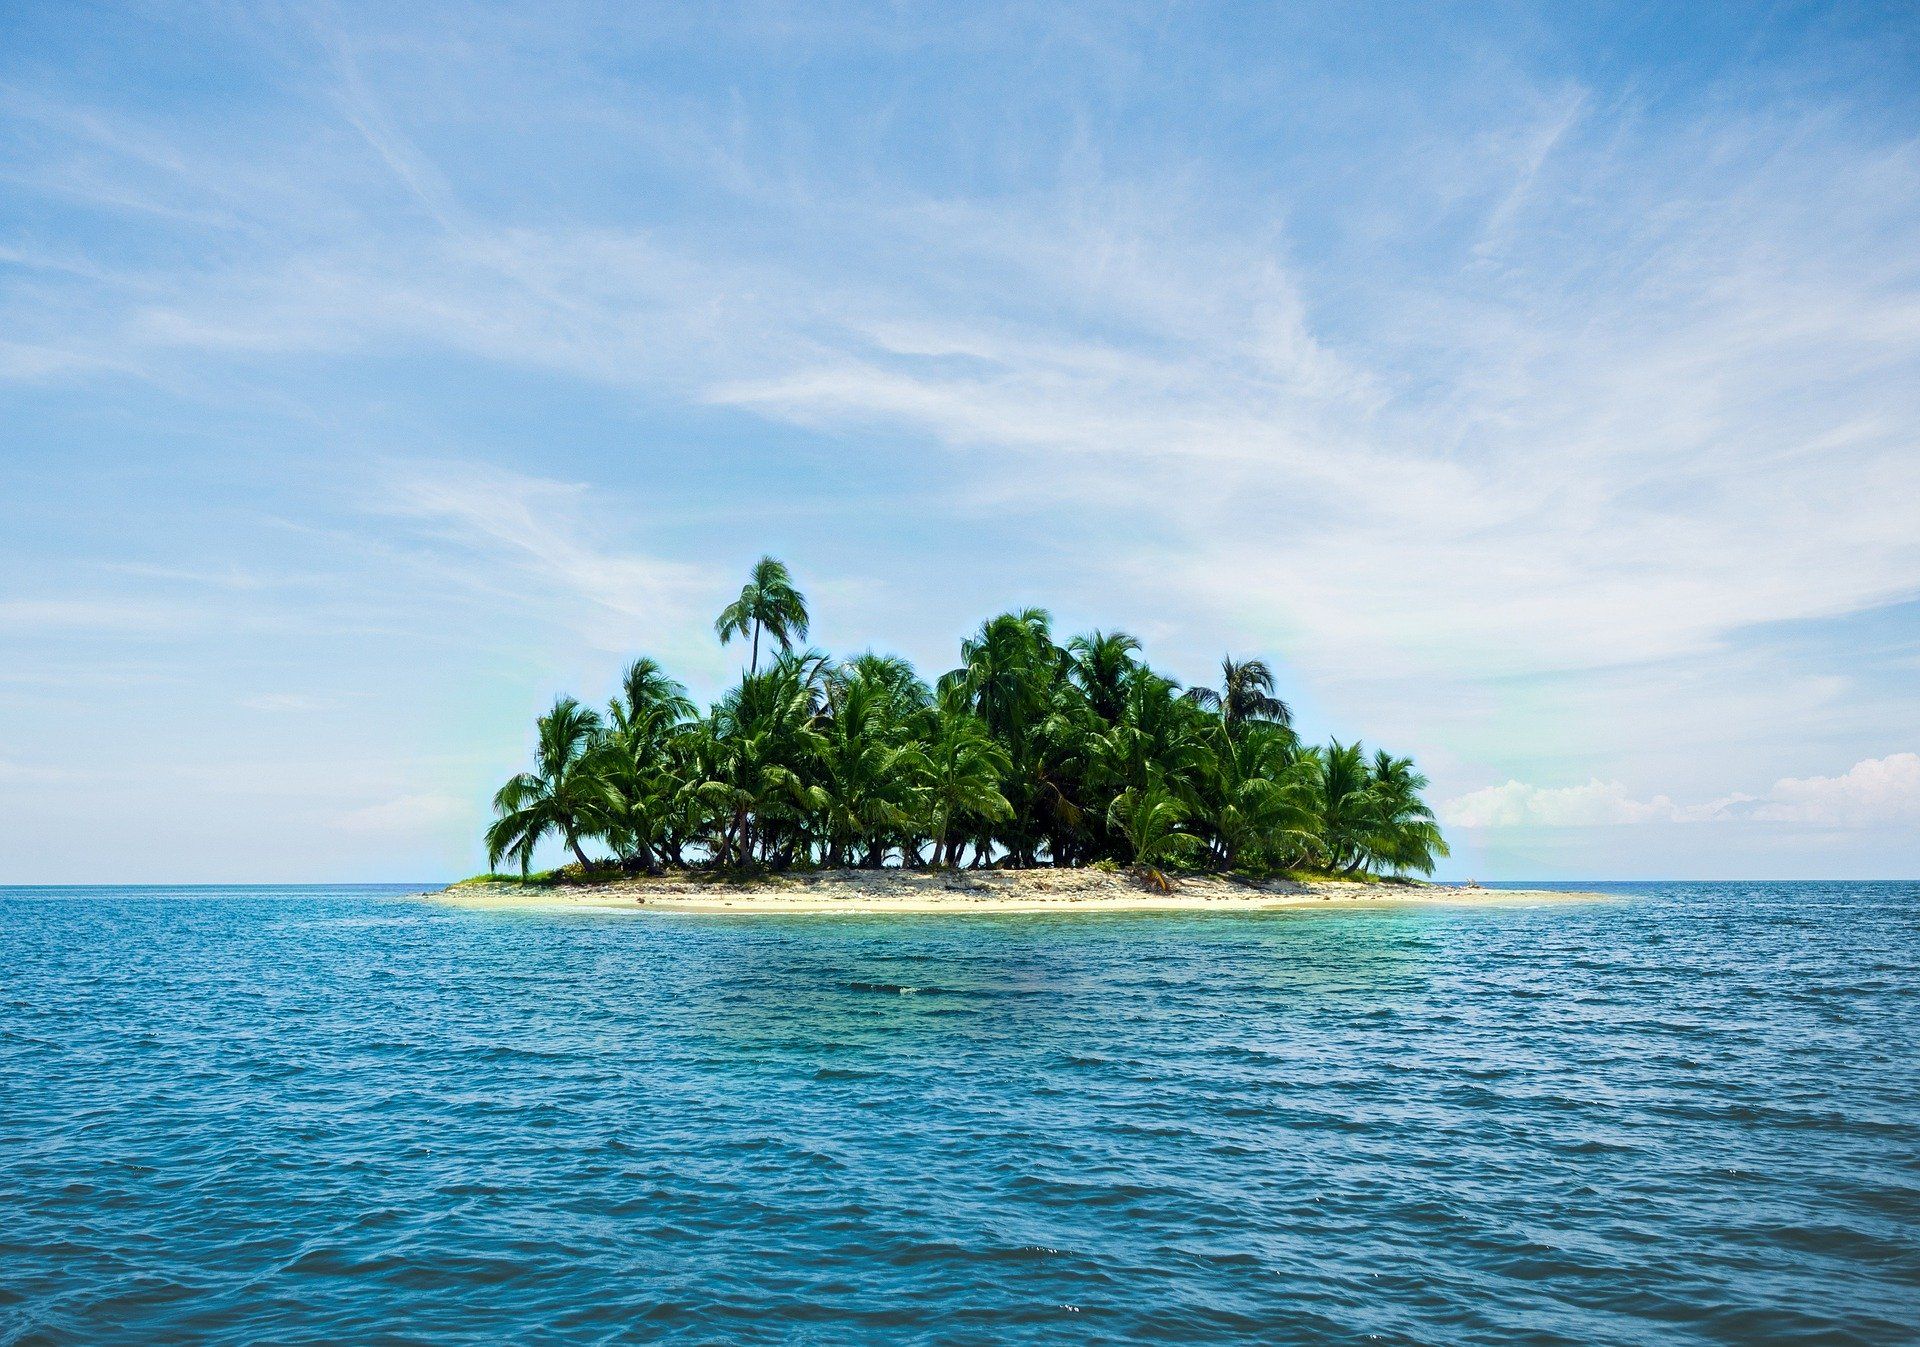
(1873, 792)
(1877, 791)
(1639, 433)
(1519, 805)
(532, 531)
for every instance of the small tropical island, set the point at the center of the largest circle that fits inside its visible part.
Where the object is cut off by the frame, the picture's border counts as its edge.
(1032, 775)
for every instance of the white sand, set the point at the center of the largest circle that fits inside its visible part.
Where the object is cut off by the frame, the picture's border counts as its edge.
(973, 891)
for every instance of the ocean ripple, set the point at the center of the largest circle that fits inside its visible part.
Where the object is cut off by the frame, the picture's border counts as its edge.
(234, 1116)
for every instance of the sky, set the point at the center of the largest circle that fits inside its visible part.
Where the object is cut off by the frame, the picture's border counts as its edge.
(1536, 387)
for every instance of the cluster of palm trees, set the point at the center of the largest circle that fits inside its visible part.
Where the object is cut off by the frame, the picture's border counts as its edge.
(1028, 753)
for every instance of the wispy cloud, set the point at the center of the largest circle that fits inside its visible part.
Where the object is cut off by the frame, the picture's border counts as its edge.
(542, 542)
(1525, 148)
(1618, 450)
(1876, 792)
(1507, 433)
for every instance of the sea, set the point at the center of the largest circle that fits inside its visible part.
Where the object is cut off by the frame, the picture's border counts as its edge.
(1689, 1113)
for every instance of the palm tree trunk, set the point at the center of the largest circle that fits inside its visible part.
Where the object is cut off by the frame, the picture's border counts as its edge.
(579, 855)
(754, 667)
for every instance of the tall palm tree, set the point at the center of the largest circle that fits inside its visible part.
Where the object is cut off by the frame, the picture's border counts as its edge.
(860, 766)
(1010, 673)
(962, 769)
(1102, 664)
(561, 794)
(1245, 694)
(637, 764)
(1404, 835)
(1256, 799)
(1344, 803)
(767, 601)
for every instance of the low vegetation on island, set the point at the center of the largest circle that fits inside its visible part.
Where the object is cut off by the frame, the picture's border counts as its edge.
(1029, 753)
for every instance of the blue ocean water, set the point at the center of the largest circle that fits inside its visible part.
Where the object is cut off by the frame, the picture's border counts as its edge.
(346, 1115)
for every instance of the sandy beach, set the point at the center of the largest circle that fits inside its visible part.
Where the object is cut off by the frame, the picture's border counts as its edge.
(973, 891)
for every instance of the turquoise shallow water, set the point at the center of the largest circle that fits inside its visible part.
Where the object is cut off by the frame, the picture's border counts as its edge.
(343, 1115)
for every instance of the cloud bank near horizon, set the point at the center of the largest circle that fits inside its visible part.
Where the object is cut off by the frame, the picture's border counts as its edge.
(1878, 792)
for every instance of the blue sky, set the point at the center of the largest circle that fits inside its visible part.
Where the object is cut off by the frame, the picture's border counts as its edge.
(1539, 391)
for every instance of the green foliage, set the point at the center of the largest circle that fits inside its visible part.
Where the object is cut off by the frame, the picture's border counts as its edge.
(1245, 695)
(1371, 815)
(768, 602)
(539, 879)
(562, 794)
(1151, 821)
(1027, 753)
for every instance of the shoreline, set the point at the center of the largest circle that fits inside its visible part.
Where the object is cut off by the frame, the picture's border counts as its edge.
(979, 891)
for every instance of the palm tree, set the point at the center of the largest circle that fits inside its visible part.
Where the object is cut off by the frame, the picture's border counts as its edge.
(1149, 819)
(962, 768)
(1344, 804)
(768, 600)
(1246, 694)
(1006, 671)
(1102, 664)
(1026, 753)
(865, 771)
(1256, 800)
(902, 690)
(1158, 736)
(561, 794)
(1404, 835)
(765, 744)
(648, 695)
(1010, 675)
(637, 765)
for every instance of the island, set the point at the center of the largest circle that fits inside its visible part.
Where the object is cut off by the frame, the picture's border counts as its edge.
(1034, 775)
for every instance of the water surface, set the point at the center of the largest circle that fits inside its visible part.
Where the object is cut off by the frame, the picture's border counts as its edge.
(340, 1115)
